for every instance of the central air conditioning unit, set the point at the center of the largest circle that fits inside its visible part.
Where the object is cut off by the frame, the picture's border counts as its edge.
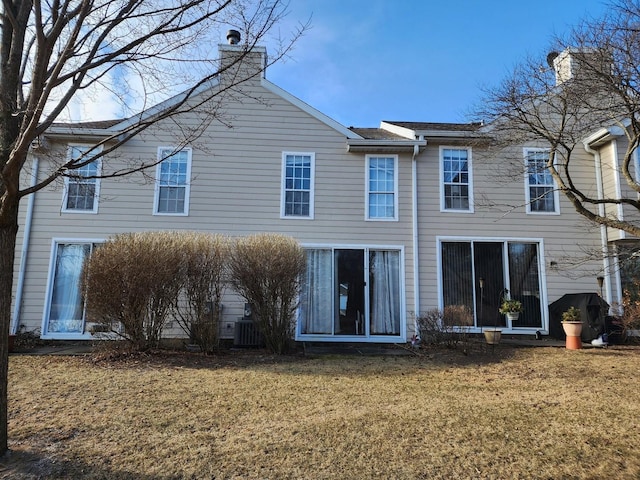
(246, 333)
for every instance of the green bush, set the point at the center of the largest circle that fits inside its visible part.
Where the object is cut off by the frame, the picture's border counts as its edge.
(131, 283)
(266, 270)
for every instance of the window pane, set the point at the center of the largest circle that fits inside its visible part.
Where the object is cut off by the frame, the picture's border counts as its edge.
(66, 311)
(381, 187)
(171, 199)
(80, 196)
(541, 185)
(455, 177)
(297, 184)
(316, 297)
(80, 192)
(173, 181)
(524, 283)
(384, 292)
(457, 275)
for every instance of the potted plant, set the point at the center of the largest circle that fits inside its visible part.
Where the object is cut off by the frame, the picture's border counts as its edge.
(572, 326)
(511, 308)
(492, 335)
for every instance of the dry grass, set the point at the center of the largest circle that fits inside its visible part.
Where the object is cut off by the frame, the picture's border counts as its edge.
(512, 413)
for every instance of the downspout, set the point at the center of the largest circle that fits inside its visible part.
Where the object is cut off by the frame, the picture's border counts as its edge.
(604, 239)
(15, 321)
(414, 213)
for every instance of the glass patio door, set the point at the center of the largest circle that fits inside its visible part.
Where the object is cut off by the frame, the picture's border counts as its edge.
(489, 283)
(66, 305)
(477, 275)
(351, 292)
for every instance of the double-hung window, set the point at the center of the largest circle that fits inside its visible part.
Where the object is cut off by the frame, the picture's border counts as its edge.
(456, 189)
(297, 185)
(173, 176)
(541, 192)
(382, 188)
(81, 187)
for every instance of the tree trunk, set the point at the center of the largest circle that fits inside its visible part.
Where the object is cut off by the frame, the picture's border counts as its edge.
(8, 232)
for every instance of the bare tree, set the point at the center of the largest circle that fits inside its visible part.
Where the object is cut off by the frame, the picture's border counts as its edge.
(561, 99)
(54, 52)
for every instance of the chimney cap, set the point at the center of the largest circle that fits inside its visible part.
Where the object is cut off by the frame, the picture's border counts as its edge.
(551, 58)
(233, 37)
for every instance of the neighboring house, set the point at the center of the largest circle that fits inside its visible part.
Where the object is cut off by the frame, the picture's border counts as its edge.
(396, 220)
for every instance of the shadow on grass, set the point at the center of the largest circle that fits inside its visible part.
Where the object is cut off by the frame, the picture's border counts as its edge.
(470, 353)
(21, 465)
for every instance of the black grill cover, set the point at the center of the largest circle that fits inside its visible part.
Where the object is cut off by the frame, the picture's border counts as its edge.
(592, 307)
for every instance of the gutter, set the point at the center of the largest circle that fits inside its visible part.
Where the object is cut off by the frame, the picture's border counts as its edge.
(604, 240)
(386, 145)
(15, 321)
(414, 213)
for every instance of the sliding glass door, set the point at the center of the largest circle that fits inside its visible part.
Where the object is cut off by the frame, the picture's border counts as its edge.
(478, 275)
(65, 313)
(351, 292)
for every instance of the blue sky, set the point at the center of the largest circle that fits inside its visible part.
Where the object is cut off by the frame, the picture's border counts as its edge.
(364, 61)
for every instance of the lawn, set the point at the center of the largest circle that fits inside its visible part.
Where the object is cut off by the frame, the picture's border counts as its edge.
(503, 413)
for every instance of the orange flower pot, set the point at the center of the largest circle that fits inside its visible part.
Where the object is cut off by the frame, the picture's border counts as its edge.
(573, 330)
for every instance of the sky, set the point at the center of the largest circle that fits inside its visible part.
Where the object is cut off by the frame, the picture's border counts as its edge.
(364, 61)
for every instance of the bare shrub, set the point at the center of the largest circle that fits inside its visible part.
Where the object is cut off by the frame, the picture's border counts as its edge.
(266, 270)
(199, 306)
(457, 316)
(131, 283)
(447, 327)
(628, 321)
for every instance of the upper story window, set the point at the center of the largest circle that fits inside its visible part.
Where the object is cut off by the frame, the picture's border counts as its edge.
(382, 188)
(541, 192)
(173, 176)
(297, 185)
(456, 188)
(82, 188)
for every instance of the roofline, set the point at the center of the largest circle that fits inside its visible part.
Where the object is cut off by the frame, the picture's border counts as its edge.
(318, 115)
(398, 130)
(384, 145)
(166, 104)
(603, 135)
(427, 133)
(73, 131)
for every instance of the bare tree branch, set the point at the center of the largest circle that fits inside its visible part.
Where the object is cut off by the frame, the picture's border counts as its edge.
(559, 101)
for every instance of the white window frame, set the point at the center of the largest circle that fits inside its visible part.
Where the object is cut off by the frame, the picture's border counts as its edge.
(162, 157)
(527, 187)
(311, 190)
(469, 183)
(542, 280)
(95, 181)
(55, 243)
(371, 338)
(368, 192)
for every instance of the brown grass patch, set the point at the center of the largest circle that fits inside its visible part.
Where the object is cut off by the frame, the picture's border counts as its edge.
(513, 413)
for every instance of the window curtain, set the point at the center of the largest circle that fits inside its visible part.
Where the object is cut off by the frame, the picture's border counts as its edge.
(384, 281)
(316, 303)
(66, 312)
(524, 283)
(457, 274)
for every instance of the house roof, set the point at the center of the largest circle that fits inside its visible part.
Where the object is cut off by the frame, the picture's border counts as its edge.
(87, 125)
(439, 126)
(376, 134)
